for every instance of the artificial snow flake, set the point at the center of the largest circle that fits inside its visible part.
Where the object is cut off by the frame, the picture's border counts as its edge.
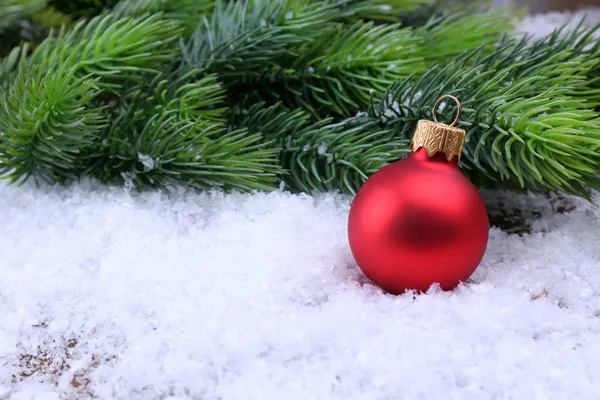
(147, 161)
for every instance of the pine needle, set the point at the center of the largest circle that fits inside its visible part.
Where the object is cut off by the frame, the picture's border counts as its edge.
(46, 123)
(324, 156)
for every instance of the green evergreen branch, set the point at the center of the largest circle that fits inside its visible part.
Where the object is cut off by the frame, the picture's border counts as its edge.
(164, 151)
(324, 156)
(241, 40)
(377, 10)
(291, 52)
(303, 65)
(179, 125)
(295, 53)
(339, 156)
(187, 11)
(173, 132)
(9, 64)
(46, 122)
(446, 37)
(190, 97)
(49, 118)
(522, 124)
(13, 11)
(341, 71)
(117, 51)
(557, 53)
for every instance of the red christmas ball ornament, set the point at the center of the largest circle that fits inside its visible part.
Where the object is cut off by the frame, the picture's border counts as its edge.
(420, 221)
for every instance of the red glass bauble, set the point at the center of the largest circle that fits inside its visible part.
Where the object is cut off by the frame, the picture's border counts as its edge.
(417, 222)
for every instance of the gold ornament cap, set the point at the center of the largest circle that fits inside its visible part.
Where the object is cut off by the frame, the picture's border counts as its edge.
(437, 137)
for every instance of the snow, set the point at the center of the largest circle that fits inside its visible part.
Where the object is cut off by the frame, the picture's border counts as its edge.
(540, 25)
(113, 294)
(322, 149)
(147, 161)
(231, 296)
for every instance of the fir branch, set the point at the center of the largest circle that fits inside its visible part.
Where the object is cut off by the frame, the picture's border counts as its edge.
(173, 132)
(189, 12)
(50, 119)
(244, 38)
(556, 53)
(51, 18)
(188, 95)
(9, 64)
(118, 51)
(324, 156)
(341, 71)
(377, 10)
(290, 53)
(523, 126)
(13, 11)
(528, 109)
(46, 122)
(295, 53)
(164, 151)
(447, 36)
(339, 156)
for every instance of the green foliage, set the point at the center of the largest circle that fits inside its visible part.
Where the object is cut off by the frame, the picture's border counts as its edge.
(117, 50)
(13, 11)
(339, 156)
(562, 53)
(339, 72)
(324, 155)
(189, 12)
(15, 26)
(524, 127)
(380, 10)
(82, 8)
(9, 64)
(190, 95)
(46, 122)
(165, 151)
(240, 41)
(296, 52)
(173, 132)
(246, 94)
(446, 37)
(50, 118)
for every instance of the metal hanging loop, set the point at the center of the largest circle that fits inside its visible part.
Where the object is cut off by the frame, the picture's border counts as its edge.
(437, 103)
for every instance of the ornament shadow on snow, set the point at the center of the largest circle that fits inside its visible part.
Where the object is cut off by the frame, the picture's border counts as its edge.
(419, 221)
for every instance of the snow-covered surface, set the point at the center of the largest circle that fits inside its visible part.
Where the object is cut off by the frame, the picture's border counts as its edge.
(212, 296)
(209, 296)
(539, 25)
